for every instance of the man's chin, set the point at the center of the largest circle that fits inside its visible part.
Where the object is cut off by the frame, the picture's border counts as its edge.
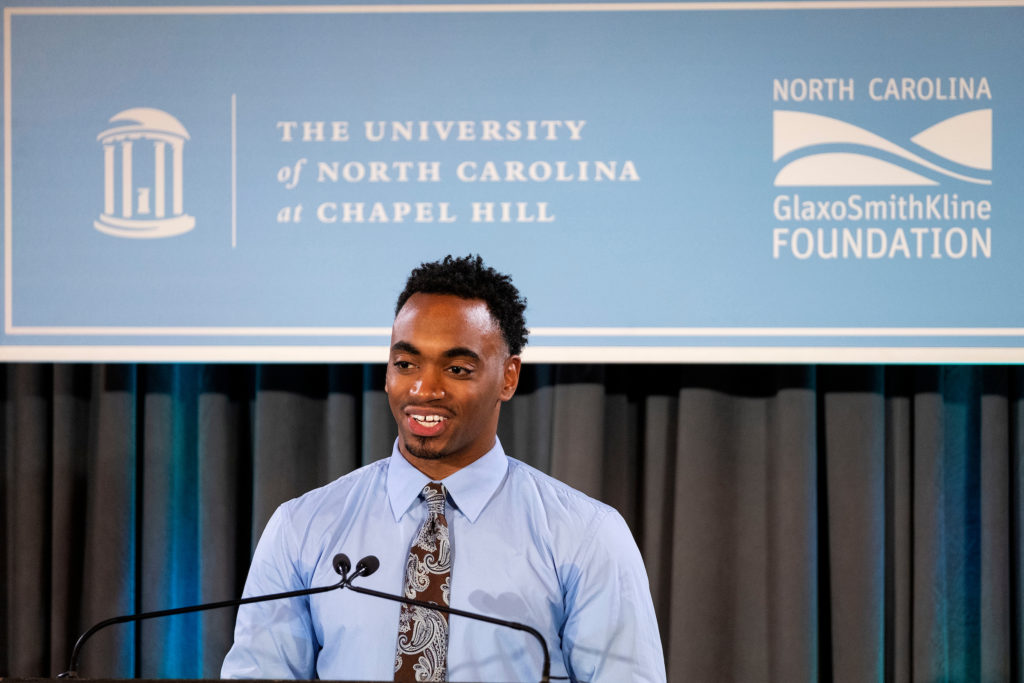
(419, 447)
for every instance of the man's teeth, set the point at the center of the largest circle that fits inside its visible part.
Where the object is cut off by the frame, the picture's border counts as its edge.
(428, 419)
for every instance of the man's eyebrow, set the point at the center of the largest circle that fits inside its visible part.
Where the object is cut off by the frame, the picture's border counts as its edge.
(461, 352)
(404, 347)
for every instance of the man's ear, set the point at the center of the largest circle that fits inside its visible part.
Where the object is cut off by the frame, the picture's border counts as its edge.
(511, 377)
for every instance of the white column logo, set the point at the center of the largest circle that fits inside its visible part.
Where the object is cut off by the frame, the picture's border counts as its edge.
(131, 209)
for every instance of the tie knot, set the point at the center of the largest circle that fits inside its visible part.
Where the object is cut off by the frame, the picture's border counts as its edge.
(434, 494)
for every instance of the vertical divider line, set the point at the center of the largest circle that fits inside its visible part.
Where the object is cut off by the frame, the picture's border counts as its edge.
(8, 166)
(234, 170)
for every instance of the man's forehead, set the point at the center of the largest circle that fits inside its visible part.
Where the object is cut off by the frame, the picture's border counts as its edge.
(446, 307)
(445, 317)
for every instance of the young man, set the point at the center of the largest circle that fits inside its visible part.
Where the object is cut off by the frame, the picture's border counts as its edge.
(455, 521)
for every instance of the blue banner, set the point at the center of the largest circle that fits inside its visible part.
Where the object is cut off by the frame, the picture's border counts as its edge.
(715, 181)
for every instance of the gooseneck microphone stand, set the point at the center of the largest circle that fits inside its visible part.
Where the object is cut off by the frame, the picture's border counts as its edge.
(366, 566)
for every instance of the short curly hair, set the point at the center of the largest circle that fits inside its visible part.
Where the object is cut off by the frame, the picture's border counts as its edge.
(469, 278)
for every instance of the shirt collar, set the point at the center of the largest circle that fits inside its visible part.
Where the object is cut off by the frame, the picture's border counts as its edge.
(469, 488)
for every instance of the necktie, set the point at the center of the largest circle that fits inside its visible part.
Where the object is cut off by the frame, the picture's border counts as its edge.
(422, 650)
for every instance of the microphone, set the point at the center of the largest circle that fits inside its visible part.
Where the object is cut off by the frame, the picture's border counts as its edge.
(369, 564)
(365, 567)
(341, 565)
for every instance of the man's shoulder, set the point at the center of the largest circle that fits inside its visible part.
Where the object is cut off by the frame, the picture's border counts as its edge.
(575, 525)
(559, 499)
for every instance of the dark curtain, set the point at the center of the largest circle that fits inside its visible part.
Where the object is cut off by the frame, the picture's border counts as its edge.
(799, 523)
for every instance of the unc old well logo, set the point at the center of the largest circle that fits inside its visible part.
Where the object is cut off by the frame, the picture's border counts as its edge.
(142, 197)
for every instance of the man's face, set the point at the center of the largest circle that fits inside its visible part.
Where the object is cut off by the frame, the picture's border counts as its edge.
(448, 374)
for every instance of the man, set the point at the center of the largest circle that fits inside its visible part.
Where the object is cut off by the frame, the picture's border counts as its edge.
(451, 517)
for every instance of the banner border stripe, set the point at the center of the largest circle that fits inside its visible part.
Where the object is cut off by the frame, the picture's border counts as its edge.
(540, 354)
(449, 8)
(383, 331)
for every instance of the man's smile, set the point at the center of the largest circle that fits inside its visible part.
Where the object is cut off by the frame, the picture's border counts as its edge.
(426, 424)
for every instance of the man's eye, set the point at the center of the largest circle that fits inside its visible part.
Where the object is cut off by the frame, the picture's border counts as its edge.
(402, 364)
(459, 370)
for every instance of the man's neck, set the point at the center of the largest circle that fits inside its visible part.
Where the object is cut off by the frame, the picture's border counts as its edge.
(440, 468)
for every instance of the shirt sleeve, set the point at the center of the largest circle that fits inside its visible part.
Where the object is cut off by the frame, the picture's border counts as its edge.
(274, 639)
(611, 632)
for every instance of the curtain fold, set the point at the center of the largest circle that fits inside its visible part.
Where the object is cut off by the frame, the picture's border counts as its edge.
(799, 523)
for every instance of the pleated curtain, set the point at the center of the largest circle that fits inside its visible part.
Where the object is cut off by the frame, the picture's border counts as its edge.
(799, 523)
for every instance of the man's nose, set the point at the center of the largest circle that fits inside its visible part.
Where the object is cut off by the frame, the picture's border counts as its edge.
(428, 386)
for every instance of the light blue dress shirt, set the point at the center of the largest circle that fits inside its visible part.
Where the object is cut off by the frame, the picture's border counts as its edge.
(525, 548)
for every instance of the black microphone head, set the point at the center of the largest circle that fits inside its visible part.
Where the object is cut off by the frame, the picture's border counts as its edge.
(368, 565)
(342, 565)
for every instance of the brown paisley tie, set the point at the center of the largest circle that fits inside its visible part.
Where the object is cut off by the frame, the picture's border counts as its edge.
(422, 651)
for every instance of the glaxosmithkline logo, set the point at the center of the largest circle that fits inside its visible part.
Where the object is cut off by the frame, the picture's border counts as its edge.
(964, 139)
(878, 220)
(143, 178)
